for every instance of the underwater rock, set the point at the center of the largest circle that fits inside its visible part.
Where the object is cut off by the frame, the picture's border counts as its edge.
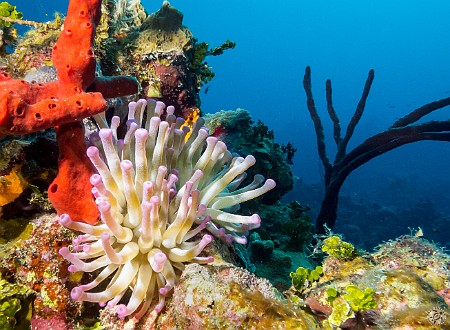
(229, 298)
(34, 49)
(56, 322)
(400, 286)
(220, 297)
(160, 59)
(162, 53)
(418, 256)
(34, 263)
(26, 172)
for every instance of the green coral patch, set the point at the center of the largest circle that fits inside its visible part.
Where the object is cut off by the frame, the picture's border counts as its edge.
(360, 300)
(8, 10)
(334, 246)
(12, 296)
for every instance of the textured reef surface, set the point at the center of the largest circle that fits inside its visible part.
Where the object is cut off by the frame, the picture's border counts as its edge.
(119, 212)
(404, 284)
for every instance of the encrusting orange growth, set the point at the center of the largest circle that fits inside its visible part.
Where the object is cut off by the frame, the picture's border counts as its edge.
(11, 186)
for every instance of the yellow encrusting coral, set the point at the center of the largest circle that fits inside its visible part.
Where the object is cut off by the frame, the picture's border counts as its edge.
(11, 185)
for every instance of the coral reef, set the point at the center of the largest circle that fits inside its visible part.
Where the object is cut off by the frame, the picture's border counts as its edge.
(28, 107)
(304, 277)
(31, 107)
(202, 72)
(8, 34)
(205, 197)
(335, 247)
(120, 25)
(400, 286)
(265, 258)
(78, 93)
(404, 284)
(230, 298)
(34, 49)
(420, 257)
(278, 264)
(161, 186)
(260, 249)
(8, 11)
(348, 306)
(32, 261)
(11, 186)
(285, 227)
(279, 244)
(163, 54)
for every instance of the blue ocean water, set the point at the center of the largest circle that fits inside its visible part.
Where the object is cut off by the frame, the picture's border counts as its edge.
(405, 42)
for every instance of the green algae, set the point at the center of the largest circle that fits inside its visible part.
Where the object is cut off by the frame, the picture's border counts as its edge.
(12, 298)
(8, 10)
(304, 276)
(334, 246)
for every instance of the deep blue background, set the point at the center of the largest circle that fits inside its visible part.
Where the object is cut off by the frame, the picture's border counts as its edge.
(406, 42)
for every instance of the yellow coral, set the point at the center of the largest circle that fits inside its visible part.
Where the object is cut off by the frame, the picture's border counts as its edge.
(11, 185)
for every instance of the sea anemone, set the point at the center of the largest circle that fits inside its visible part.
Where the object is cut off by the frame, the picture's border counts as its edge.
(156, 190)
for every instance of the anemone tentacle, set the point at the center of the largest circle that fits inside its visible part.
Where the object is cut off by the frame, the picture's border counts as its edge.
(156, 190)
